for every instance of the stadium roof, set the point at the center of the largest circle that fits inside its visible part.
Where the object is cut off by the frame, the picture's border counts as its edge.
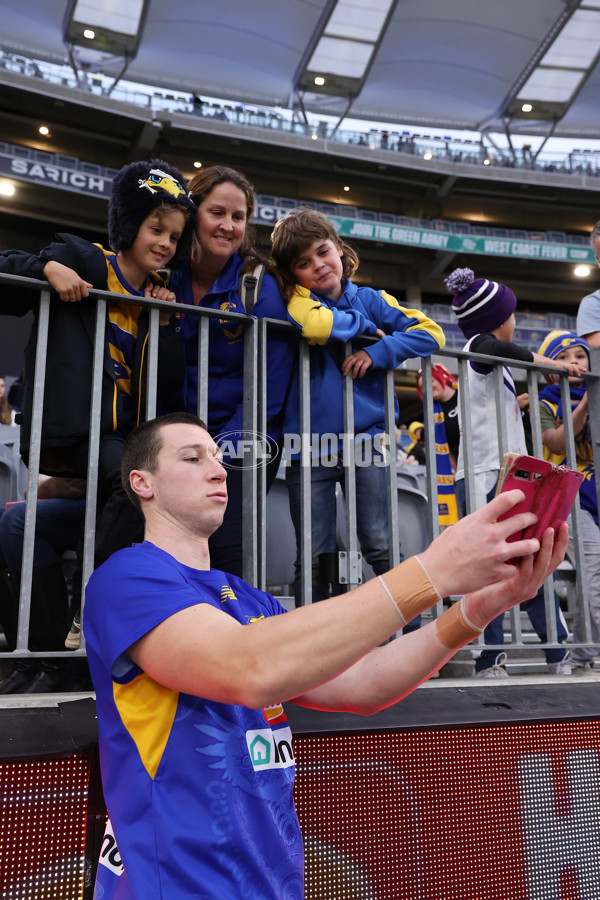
(455, 64)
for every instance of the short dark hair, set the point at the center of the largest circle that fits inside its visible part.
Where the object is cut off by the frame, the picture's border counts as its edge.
(595, 233)
(144, 444)
(294, 233)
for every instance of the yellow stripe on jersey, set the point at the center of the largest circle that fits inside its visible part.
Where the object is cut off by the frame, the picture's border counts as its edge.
(147, 710)
(315, 319)
(423, 321)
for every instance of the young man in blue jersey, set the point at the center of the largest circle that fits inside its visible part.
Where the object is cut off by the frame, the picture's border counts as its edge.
(191, 665)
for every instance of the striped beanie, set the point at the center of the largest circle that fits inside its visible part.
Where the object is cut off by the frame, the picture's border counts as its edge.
(557, 341)
(479, 304)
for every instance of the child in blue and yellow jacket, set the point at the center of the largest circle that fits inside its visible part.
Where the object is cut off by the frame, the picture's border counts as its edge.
(329, 309)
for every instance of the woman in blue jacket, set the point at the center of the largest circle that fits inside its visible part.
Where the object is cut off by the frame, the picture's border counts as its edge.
(221, 255)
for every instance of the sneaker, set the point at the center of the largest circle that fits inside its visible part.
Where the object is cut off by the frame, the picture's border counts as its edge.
(564, 667)
(73, 638)
(583, 668)
(495, 671)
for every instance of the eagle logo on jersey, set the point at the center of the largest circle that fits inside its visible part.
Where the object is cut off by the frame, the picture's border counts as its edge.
(231, 331)
(158, 180)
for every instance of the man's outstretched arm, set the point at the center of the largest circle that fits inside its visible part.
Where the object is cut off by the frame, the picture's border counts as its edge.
(201, 650)
(391, 672)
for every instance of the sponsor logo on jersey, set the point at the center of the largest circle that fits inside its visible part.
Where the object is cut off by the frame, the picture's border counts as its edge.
(227, 594)
(109, 854)
(274, 714)
(270, 749)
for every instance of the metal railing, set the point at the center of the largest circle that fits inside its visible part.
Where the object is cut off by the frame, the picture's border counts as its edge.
(256, 335)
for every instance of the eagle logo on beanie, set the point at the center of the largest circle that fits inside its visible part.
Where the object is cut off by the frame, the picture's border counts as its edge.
(158, 180)
(137, 190)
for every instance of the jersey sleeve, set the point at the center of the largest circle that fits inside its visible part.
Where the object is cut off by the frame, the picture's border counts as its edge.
(319, 323)
(138, 588)
(491, 346)
(128, 596)
(409, 332)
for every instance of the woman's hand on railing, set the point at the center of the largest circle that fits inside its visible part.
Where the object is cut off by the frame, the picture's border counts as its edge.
(69, 286)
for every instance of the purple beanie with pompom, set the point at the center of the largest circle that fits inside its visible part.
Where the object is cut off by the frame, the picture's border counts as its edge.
(480, 305)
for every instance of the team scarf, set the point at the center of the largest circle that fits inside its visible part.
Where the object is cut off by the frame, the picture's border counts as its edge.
(550, 398)
(447, 506)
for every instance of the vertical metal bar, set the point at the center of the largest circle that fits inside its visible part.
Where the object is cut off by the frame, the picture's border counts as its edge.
(249, 494)
(514, 614)
(261, 470)
(391, 475)
(34, 468)
(93, 450)
(534, 413)
(593, 390)
(305, 476)
(466, 431)
(203, 350)
(466, 440)
(349, 457)
(538, 450)
(152, 364)
(431, 471)
(431, 460)
(571, 458)
(501, 414)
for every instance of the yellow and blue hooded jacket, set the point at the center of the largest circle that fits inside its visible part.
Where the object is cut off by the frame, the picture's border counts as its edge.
(326, 325)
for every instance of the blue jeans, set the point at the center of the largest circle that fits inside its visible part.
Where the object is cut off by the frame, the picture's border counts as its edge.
(371, 519)
(58, 526)
(536, 611)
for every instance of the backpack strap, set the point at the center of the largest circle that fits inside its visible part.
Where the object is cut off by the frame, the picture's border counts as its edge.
(249, 287)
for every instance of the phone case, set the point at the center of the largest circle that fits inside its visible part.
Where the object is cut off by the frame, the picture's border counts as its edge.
(549, 490)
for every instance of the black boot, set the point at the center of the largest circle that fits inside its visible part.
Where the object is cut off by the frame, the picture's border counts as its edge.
(21, 676)
(49, 612)
(9, 607)
(47, 680)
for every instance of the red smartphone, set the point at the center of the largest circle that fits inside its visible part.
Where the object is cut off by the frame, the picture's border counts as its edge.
(549, 490)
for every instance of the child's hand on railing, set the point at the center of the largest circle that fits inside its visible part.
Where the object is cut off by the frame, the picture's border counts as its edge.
(158, 292)
(69, 286)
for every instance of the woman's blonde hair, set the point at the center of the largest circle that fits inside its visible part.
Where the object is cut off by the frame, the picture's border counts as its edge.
(298, 230)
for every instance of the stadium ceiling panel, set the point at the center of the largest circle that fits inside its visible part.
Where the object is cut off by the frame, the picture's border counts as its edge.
(455, 64)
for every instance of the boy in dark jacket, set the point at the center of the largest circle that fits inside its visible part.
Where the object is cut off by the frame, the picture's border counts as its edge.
(150, 226)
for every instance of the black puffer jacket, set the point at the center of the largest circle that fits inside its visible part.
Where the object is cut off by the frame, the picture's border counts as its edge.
(67, 395)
